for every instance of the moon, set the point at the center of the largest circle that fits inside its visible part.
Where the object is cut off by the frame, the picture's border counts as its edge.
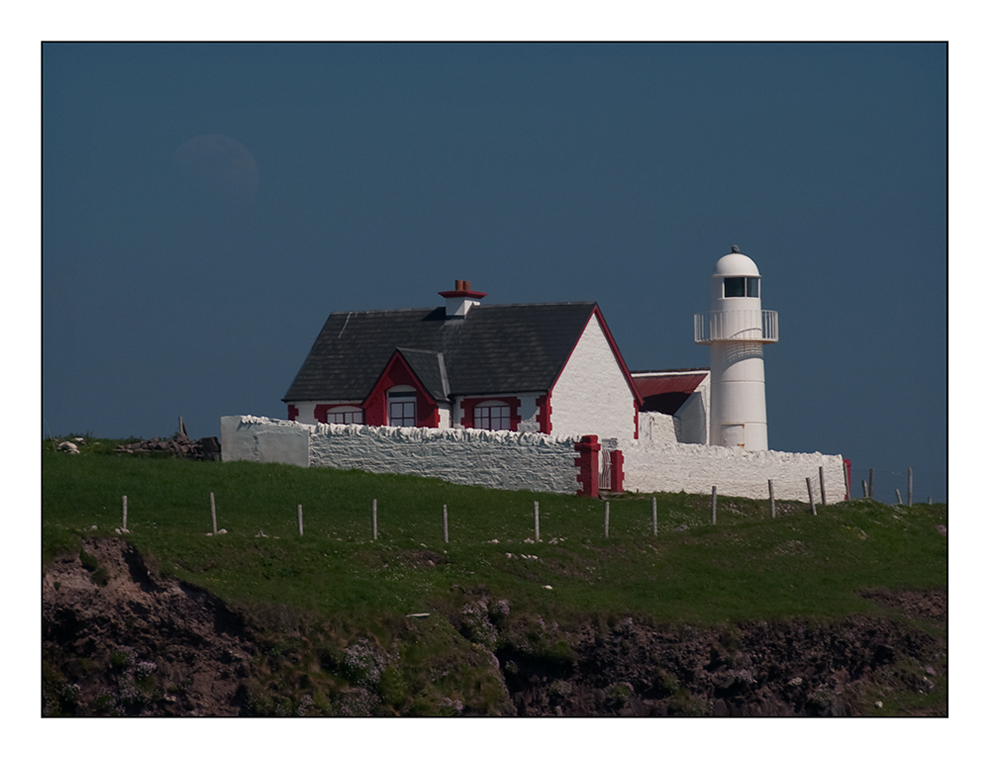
(218, 167)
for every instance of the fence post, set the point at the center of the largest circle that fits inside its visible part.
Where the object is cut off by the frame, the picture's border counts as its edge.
(536, 519)
(374, 519)
(213, 512)
(910, 486)
(811, 497)
(606, 519)
(300, 521)
(124, 527)
(773, 503)
(898, 491)
(654, 516)
(714, 499)
(865, 495)
(445, 538)
(870, 496)
(821, 482)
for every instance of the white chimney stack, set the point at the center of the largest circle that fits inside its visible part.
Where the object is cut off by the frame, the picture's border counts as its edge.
(461, 299)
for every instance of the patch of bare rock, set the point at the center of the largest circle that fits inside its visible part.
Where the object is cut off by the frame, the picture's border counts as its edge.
(178, 446)
(117, 640)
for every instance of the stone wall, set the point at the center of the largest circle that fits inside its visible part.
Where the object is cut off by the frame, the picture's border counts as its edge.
(673, 467)
(258, 438)
(503, 460)
(529, 461)
(657, 428)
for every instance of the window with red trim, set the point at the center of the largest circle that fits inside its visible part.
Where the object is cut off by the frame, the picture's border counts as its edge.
(402, 408)
(491, 413)
(497, 416)
(345, 416)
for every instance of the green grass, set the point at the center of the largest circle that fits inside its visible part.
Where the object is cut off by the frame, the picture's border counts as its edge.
(317, 604)
(748, 566)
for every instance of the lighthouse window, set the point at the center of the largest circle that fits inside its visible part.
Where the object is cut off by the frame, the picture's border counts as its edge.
(741, 287)
(735, 287)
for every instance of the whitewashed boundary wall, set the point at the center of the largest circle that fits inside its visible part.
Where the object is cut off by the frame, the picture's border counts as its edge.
(657, 428)
(675, 467)
(502, 460)
(254, 438)
(529, 461)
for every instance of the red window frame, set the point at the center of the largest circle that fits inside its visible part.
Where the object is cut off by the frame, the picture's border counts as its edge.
(468, 406)
(323, 411)
(485, 417)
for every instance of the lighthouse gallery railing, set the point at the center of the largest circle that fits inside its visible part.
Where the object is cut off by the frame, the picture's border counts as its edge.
(712, 326)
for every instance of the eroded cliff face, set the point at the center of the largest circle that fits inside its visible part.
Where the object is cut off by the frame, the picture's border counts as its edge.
(755, 669)
(120, 640)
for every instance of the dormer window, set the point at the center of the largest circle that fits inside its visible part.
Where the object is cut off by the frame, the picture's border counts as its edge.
(402, 406)
(741, 287)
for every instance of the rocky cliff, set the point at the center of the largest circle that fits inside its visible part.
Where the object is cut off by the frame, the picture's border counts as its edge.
(118, 639)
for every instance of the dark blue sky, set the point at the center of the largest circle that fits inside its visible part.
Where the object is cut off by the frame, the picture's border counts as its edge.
(194, 282)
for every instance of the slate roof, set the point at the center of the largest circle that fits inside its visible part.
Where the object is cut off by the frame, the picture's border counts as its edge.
(431, 370)
(494, 349)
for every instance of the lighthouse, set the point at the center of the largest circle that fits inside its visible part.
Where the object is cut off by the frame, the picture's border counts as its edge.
(736, 328)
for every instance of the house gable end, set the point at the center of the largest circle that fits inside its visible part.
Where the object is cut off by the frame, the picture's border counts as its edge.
(594, 392)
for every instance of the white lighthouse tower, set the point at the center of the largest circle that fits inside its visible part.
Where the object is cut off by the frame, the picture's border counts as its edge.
(736, 328)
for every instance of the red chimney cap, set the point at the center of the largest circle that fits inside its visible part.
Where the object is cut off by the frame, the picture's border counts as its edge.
(462, 289)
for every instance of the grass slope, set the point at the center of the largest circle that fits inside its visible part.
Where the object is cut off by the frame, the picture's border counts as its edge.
(747, 566)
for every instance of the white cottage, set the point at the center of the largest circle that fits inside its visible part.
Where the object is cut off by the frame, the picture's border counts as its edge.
(544, 367)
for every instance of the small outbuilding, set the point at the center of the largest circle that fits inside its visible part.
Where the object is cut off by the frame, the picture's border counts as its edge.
(684, 394)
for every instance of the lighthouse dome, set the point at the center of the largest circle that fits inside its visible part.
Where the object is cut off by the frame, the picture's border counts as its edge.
(735, 264)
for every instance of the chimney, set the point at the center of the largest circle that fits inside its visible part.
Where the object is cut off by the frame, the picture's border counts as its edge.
(461, 299)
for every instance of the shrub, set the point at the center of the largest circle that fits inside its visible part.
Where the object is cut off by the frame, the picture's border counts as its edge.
(363, 664)
(664, 683)
(476, 626)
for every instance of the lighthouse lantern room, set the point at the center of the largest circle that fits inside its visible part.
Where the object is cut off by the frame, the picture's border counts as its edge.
(736, 328)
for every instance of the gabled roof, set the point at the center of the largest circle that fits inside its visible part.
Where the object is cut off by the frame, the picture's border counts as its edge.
(429, 367)
(493, 349)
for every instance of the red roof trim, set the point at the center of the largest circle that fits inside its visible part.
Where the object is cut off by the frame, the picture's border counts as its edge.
(615, 352)
(618, 355)
(676, 383)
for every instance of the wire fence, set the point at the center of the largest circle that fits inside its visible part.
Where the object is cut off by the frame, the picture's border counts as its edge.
(633, 512)
(924, 485)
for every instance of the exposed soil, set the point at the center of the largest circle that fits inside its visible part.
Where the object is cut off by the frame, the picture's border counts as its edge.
(120, 640)
(138, 644)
